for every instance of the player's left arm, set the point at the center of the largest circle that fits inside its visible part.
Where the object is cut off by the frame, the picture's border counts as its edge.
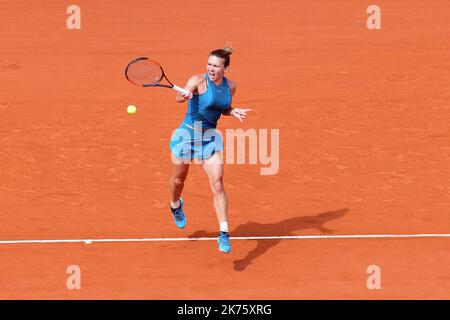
(235, 112)
(232, 86)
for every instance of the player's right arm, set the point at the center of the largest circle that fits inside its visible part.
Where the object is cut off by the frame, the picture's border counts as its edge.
(191, 85)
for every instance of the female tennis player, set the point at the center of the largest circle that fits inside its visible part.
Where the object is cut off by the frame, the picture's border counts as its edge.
(196, 138)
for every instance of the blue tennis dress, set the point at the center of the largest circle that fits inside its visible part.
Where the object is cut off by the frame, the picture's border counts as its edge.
(197, 137)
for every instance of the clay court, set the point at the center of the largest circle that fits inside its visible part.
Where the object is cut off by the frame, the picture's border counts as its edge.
(364, 150)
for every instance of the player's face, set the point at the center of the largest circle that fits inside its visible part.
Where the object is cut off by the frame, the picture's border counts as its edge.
(215, 68)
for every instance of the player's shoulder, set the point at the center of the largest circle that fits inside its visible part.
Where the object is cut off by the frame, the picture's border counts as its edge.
(231, 84)
(197, 78)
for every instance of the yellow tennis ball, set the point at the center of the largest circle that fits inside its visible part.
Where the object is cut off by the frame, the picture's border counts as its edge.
(131, 109)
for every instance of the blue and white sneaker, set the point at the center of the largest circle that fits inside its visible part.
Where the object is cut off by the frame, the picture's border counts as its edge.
(178, 215)
(224, 242)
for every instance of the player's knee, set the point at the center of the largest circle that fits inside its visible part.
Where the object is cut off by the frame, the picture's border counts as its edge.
(218, 188)
(177, 181)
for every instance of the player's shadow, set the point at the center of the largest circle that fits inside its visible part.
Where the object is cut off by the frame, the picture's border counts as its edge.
(282, 228)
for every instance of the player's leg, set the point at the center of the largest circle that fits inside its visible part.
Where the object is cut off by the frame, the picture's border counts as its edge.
(176, 183)
(213, 167)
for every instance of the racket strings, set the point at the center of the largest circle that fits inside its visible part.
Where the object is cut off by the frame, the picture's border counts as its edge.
(144, 72)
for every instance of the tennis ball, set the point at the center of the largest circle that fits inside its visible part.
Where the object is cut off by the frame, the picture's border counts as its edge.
(131, 109)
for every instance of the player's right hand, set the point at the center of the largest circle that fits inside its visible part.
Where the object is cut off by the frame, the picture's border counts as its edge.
(187, 95)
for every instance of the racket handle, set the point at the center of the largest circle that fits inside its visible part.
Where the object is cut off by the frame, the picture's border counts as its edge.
(181, 90)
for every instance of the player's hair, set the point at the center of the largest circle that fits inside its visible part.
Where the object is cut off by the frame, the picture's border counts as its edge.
(224, 53)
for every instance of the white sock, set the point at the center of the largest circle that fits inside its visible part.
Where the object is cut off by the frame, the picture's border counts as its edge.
(224, 226)
(176, 204)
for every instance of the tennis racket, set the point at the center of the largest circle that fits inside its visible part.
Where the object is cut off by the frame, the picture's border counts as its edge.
(144, 72)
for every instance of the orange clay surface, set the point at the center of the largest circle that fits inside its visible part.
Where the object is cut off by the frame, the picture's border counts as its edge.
(364, 149)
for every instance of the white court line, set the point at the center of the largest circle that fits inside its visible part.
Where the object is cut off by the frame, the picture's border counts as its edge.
(361, 236)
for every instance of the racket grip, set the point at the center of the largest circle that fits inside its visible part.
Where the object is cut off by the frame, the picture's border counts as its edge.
(181, 90)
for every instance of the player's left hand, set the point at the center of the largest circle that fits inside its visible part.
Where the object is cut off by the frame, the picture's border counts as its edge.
(240, 113)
